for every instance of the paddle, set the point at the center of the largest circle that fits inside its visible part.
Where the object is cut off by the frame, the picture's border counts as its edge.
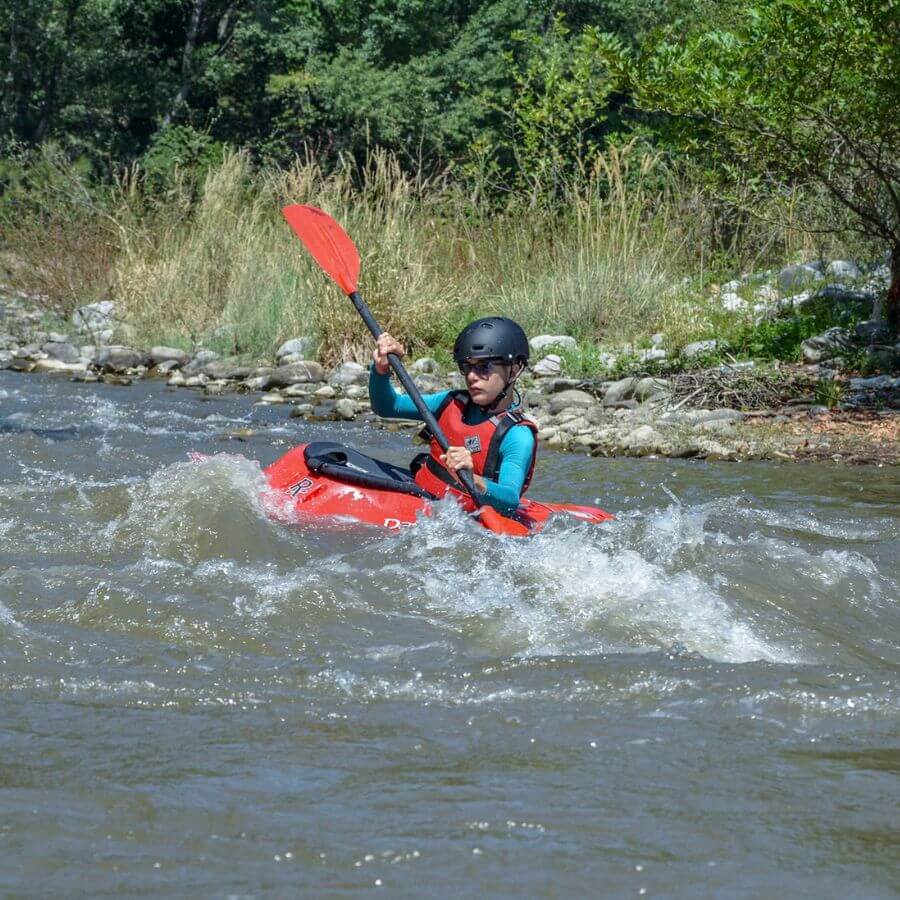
(333, 250)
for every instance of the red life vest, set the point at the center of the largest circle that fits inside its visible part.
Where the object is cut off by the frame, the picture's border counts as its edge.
(482, 441)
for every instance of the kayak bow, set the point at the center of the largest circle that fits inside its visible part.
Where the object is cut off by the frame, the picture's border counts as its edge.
(325, 480)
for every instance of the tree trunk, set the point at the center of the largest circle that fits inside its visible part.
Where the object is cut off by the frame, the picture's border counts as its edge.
(187, 60)
(8, 113)
(892, 304)
(51, 85)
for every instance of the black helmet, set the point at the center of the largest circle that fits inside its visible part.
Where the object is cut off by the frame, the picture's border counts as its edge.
(495, 337)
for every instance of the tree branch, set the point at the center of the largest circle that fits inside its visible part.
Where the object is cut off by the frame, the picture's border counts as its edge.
(187, 59)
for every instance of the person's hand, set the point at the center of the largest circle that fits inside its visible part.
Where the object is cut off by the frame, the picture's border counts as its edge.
(457, 458)
(384, 345)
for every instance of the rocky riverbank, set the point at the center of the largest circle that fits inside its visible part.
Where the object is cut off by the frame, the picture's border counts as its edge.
(728, 411)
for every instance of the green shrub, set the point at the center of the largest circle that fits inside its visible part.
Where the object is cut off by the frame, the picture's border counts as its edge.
(829, 392)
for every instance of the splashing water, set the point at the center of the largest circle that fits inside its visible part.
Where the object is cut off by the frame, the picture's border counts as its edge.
(197, 688)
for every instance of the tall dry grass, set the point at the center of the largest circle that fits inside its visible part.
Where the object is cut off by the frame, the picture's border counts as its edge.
(214, 263)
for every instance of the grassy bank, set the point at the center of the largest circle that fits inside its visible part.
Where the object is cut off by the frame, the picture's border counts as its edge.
(627, 250)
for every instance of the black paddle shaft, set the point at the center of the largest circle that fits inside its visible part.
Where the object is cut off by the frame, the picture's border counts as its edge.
(465, 476)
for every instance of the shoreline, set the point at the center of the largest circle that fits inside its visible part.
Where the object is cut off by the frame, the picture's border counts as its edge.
(635, 416)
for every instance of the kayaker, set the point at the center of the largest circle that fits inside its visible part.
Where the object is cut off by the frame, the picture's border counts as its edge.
(484, 424)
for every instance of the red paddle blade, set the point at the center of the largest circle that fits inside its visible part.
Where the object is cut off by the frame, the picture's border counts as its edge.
(328, 243)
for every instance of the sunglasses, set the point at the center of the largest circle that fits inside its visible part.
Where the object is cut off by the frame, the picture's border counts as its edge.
(483, 368)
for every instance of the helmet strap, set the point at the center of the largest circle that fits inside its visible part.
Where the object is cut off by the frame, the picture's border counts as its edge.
(503, 393)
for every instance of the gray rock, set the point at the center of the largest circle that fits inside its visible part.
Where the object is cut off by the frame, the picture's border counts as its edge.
(570, 399)
(731, 287)
(874, 383)
(732, 301)
(301, 389)
(766, 294)
(6, 358)
(713, 450)
(622, 406)
(650, 389)
(325, 392)
(160, 355)
(619, 390)
(547, 367)
(872, 332)
(885, 358)
(652, 355)
(56, 338)
(324, 410)
(542, 341)
(815, 412)
(720, 427)
(658, 339)
(576, 425)
(555, 385)
(98, 320)
(57, 367)
(536, 399)
(841, 294)
(345, 409)
(292, 358)
(295, 373)
(797, 276)
(567, 415)
(843, 268)
(425, 366)
(349, 373)
(21, 362)
(607, 360)
(428, 384)
(642, 438)
(164, 368)
(199, 360)
(689, 351)
(826, 345)
(700, 416)
(597, 414)
(63, 352)
(225, 370)
(118, 359)
(299, 348)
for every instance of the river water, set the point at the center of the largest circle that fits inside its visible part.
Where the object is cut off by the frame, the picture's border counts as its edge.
(699, 699)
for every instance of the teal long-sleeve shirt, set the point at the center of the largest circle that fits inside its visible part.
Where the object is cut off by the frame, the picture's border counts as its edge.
(516, 448)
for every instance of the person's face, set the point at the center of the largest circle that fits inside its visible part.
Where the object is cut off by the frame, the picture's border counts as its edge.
(485, 378)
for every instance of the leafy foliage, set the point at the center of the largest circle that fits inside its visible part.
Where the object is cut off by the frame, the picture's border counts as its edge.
(781, 92)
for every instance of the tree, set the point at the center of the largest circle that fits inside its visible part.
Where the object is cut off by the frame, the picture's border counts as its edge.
(558, 108)
(787, 92)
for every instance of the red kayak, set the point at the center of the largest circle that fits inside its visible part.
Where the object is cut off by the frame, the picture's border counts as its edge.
(328, 480)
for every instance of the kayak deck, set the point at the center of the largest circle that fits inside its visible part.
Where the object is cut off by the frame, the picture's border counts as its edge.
(327, 480)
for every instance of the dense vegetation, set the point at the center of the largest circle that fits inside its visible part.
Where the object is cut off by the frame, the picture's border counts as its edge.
(571, 162)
